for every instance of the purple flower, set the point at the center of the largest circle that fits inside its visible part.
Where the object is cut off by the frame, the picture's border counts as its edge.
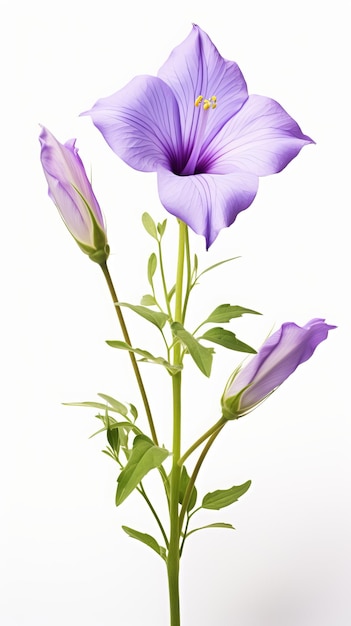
(279, 357)
(71, 191)
(197, 127)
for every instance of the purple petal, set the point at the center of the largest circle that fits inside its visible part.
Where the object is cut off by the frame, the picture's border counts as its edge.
(261, 138)
(278, 358)
(141, 124)
(195, 68)
(206, 202)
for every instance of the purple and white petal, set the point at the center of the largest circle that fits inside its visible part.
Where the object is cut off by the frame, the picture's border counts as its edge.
(261, 138)
(141, 124)
(206, 202)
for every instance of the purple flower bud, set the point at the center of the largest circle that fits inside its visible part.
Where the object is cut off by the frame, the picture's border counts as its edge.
(279, 357)
(71, 191)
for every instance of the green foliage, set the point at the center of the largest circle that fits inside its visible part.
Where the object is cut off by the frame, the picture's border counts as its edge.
(145, 456)
(147, 540)
(155, 317)
(227, 339)
(148, 300)
(151, 268)
(226, 312)
(224, 497)
(201, 355)
(147, 356)
(215, 525)
(149, 225)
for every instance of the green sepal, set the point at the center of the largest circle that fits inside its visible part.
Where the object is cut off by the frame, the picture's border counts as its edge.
(184, 481)
(202, 356)
(144, 457)
(147, 356)
(148, 540)
(226, 312)
(149, 225)
(155, 317)
(224, 497)
(227, 339)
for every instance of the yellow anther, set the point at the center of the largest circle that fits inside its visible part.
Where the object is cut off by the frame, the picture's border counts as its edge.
(208, 103)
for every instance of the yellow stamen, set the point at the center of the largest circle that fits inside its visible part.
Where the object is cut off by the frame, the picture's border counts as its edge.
(208, 103)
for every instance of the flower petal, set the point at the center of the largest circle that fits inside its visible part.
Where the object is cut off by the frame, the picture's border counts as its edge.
(261, 138)
(195, 68)
(207, 203)
(141, 123)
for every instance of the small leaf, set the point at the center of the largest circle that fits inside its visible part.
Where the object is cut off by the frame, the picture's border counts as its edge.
(155, 317)
(151, 267)
(147, 356)
(226, 312)
(149, 225)
(212, 267)
(215, 525)
(162, 227)
(145, 456)
(224, 497)
(147, 539)
(184, 481)
(227, 339)
(92, 405)
(201, 355)
(115, 404)
(148, 300)
(113, 439)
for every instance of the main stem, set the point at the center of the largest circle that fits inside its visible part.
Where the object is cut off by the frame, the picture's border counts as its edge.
(174, 548)
(125, 333)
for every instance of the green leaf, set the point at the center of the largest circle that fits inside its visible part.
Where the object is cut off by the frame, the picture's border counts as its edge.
(93, 405)
(224, 497)
(148, 300)
(216, 525)
(147, 357)
(161, 227)
(155, 317)
(212, 267)
(184, 481)
(145, 456)
(113, 439)
(227, 339)
(115, 404)
(201, 355)
(147, 539)
(151, 267)
(226, 312)
(149, 225)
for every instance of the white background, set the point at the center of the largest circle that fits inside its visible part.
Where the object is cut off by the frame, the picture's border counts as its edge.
(64, 559)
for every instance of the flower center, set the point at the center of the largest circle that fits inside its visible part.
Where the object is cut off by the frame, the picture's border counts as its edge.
(206, 104)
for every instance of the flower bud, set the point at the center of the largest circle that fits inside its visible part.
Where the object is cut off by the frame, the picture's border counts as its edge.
(71, 191)
(279, 357)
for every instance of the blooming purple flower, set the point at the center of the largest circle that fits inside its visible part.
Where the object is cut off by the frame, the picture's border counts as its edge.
(279, 357)
(197, 127)
(71, 191)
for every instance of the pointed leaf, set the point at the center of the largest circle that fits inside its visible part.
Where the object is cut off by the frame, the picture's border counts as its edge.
(149, 225)
(227, 339)
(212, 267)
(161, 227)
(145, 456)
(147, 539)
(92, 405)
(155, 317)
(151, 267)
(224, 497)
(147, 356)
(115, 404)
(201, 355)
(216, 525)
(148, 300)
(226, 312)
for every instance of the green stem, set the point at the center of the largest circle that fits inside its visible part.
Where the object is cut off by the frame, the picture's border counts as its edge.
(163, 279)
(113, 293)
(194, 475)
(174, 552)
(153, 511)
(201, 439)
